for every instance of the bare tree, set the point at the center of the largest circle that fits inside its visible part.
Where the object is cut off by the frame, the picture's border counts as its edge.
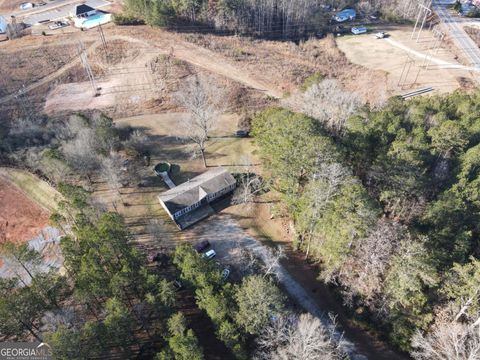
(112, 170)
(301, 337)
(447, 340)
(364, 271)
(249, 185)
(271, 260)
(81, 153)
(202, 100)
(331, 104)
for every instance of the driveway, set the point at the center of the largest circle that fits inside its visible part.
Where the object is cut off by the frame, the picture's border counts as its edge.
(457, 33)
(228, 239)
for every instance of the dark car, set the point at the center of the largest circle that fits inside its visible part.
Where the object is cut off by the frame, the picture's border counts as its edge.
(242, 133)
(201, 246)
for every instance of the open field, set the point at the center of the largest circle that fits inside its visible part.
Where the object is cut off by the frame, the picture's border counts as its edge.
(20, 218)
(35, 188)
(390, 54)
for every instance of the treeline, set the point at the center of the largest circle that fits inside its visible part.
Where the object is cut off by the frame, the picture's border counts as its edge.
(106, 303)
(390, 206)
(282, 19)
(272, 18)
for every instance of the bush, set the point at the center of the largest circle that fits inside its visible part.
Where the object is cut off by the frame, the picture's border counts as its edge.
(119, 19)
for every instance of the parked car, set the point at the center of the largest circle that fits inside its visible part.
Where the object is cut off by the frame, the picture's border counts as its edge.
(225, 274)
(57, 25)
(359, 30)
(177, 284)
(26, 6)
(242, 133)
(380, 34)
(201, 246)
(210, 254)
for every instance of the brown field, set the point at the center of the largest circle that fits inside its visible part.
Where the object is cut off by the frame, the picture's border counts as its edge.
(20, 218)
(389, 55)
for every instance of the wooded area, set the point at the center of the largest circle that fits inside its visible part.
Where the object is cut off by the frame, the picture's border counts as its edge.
(390, 207)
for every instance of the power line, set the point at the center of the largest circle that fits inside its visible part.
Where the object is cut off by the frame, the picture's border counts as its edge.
(88, 69)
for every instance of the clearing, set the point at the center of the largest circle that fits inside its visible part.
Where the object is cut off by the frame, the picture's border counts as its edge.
(20, 218)
(390, 55)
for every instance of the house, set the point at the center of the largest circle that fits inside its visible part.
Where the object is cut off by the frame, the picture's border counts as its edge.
(189, 202)
(3, 25)
(82, 11)
(344, 15)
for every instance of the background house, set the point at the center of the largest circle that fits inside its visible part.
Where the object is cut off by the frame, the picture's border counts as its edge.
(189, 202)
(3, 25)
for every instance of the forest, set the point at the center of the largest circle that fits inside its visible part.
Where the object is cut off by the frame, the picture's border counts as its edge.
(388, 202)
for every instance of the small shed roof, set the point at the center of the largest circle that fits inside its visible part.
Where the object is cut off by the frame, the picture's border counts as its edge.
(194, 190)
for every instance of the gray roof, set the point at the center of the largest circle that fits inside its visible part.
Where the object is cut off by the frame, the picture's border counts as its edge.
(194, 190)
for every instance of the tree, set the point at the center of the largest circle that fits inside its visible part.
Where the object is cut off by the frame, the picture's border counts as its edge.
(410, 275)
(111, 167)
(22, 259)
(365, 270)
(448, 138)
(202, 101)
(295, 337)
(331, 105)
(259, 301)
(183, 341)
(447, 339)
(250, 184)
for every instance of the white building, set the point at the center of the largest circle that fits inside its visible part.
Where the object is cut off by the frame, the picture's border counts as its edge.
(3, 25)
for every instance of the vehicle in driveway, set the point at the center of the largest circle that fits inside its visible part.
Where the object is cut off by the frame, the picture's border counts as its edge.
(26, 6)
(359, 30)
(242, 133)
(225, 274)
(380, 34)
(210, 254)
(57, 25)
(201, 246)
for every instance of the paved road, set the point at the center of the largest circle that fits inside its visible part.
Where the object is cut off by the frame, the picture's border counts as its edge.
(457, 33)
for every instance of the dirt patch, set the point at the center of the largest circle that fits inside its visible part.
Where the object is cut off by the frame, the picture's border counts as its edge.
(20, 218)
(10, 5)
(23, 67)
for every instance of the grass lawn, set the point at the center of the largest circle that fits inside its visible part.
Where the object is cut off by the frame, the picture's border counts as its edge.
(35, 188)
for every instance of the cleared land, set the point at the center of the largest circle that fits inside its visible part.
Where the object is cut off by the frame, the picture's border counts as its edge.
(20, 218)
(390, 55)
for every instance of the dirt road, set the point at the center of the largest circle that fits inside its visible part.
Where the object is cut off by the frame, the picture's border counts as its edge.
(228, 238)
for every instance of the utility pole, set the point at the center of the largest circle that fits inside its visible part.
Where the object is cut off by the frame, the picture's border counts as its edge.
(88, 69)
(104, 42)
(438, 36)
(423, 12)
(405, 71)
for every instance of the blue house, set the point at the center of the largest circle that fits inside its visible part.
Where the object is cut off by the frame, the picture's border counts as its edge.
(344, 15)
